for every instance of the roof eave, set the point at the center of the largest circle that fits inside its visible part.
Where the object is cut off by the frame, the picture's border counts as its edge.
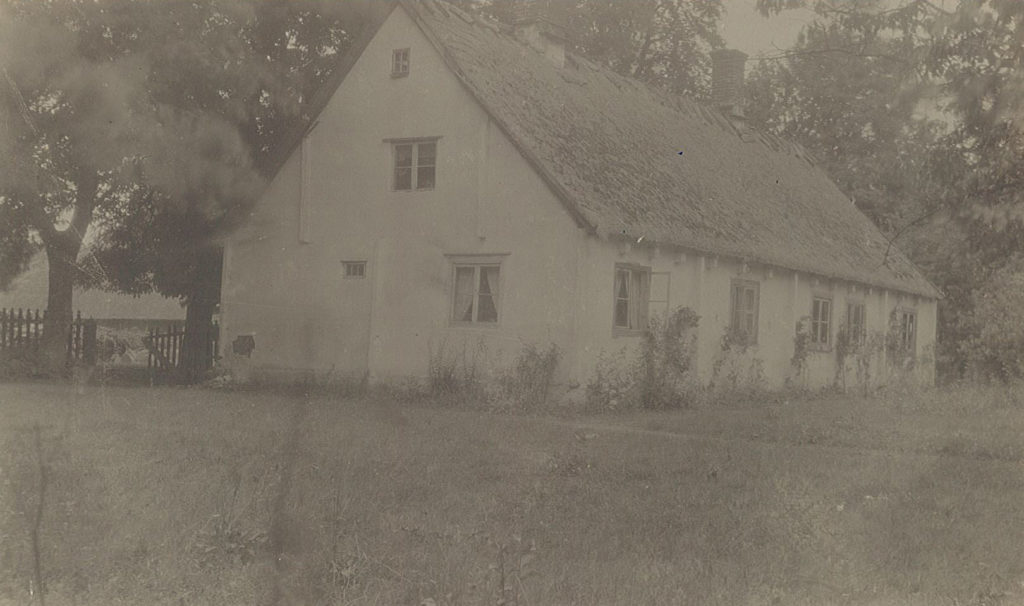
(276, 158)
(567, 200)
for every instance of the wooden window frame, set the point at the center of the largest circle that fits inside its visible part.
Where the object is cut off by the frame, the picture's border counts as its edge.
(818, 302)
(399, 64)
(905, 335)
(736, 285)
(415, 166)
(346, 266)
(638, 294)
(477, 262)
(857, 337)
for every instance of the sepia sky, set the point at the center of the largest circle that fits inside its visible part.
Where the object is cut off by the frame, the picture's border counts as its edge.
(745, 29)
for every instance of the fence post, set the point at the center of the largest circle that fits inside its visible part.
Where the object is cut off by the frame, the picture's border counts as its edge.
(89, 343)
(38, 330)
(21, 325)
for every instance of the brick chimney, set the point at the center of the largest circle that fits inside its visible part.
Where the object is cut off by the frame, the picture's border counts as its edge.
(542, 24)
(727, 81)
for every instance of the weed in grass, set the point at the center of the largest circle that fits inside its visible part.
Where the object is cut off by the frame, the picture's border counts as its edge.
(233, 535)
(42, 499)
(455, 375)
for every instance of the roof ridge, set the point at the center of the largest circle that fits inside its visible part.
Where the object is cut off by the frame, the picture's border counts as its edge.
(693, 205)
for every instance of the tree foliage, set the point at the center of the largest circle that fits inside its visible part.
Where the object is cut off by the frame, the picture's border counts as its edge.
(915, 107)
(665, 43)
(150, 124)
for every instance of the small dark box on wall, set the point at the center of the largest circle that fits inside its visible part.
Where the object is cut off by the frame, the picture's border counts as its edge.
(243, 345)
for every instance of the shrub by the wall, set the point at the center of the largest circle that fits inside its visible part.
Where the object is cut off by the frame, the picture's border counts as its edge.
(527, 383)
(661, 375)
(737, 373)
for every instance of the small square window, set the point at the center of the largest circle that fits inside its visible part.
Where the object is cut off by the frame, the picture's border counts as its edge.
(400, 63)
(354, 269)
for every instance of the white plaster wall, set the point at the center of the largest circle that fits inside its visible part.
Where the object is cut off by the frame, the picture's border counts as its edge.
(487, 200)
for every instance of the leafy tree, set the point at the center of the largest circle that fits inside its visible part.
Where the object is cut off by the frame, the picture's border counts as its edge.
(153, 123)
(915, 108)
(86, 129)
(286, 51)
(849, 93)
(665, 43)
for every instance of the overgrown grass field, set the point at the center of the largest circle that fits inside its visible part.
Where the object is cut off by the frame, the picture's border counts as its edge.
(192, 496)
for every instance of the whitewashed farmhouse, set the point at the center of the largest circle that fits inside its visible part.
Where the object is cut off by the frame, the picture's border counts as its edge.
(475, 186)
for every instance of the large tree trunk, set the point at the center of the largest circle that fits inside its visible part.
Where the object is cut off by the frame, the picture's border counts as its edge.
(61, 255)
(196, 354)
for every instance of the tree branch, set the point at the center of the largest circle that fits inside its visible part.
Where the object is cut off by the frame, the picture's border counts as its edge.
(19, 100)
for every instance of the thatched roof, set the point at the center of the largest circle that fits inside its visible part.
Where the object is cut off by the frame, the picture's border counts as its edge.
(609, 147)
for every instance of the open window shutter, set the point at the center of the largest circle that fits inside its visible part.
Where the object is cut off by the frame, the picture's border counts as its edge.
(305, 221)
(756, 311)
(658, 299)
(734, 311)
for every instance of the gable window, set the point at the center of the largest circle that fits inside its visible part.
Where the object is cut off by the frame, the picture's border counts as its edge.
(907, 330)
(415, 164)
(632, 294)
(821, 321)
(354, 269)
(475, 297)
(399, 62)
(744, 312)
(856, 323)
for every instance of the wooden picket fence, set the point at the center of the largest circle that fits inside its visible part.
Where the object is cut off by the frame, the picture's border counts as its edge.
(165, 346)
(23, 329)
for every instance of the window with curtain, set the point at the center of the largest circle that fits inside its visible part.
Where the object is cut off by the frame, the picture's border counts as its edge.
(475, 299)
(744, 312)
(632, 296)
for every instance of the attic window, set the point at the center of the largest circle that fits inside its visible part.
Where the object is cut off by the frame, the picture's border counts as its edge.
(400, 63)
(415, 164)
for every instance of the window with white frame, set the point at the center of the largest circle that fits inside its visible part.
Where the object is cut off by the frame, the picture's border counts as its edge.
(744, 310)
(415, 165)
(821, 321)
(856, 323)
(632, 296)
(475, 297)
(907, 330)
(399, 62)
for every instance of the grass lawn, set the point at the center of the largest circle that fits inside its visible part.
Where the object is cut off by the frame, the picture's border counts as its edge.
(190, 496)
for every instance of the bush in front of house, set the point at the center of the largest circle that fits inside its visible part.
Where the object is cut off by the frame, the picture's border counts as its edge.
(526, 384)
(661, 375)
(457, 376)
